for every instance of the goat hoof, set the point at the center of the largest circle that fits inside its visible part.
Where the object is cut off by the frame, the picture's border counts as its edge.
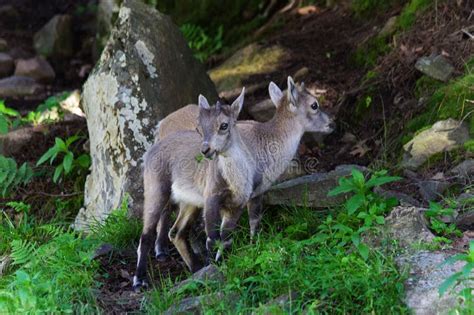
(139, 285)
(162, 256)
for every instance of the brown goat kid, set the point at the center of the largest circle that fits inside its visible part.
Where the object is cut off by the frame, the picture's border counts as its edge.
(221, 184)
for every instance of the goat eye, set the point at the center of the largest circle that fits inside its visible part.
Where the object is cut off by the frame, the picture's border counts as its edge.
(315, 106)
(224, 126)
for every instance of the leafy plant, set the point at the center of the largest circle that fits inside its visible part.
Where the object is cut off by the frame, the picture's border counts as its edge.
(12, 176)
(201, 43)
(465, 276)
(6, 114)
(363, 210)
(434, 215)
(68, 163)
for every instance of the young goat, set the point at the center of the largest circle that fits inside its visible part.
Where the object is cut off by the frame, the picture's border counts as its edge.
(222, 185)
(273, 143)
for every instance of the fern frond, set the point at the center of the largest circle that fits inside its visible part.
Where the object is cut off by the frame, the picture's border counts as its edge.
(11, 176)
(22, 251)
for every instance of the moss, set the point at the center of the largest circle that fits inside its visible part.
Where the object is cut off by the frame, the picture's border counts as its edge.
(453, 100)
(367, 54)
(364, 8)
(410, 11)
(426, 86)
(469, 146)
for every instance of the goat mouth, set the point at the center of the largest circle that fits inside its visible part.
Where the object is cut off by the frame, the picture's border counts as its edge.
(210, 154)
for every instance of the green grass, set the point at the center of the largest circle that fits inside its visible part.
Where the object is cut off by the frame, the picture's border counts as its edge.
(364, 8)
(410, 11)
(366, 56)
(53, 270)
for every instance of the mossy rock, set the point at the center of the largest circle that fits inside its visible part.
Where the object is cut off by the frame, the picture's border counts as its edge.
(251, 60)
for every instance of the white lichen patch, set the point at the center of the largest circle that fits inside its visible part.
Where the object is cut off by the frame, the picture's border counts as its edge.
(147, 58)
(124, 14)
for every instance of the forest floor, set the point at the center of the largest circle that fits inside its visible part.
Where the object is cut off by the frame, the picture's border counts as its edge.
(325, 41)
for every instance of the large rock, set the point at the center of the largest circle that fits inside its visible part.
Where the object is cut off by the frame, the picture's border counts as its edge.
(55, 39)
(37, 68)
(198, 304)
(436, 67)
(210, 273)
(16, 86)
(6, 65)
(311, 190)
(408, 226)
(251, 60)
(444, 135)
(426, 273)
(464, 171)
(145, 72)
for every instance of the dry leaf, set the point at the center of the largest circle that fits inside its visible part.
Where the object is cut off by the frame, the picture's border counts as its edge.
(360, 149)
(124, 274)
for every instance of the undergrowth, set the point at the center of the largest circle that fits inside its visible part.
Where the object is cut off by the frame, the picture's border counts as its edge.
(318, 260)
(53, 269)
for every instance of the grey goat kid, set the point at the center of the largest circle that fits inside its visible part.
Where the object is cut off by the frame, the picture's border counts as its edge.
(273, 143)
(221, 184)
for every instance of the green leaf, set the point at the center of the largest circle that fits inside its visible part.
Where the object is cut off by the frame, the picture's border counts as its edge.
(358, 177)
(380, 219)
(57, 173)
(3, 124)
(363, 250)
(354, 203)
(448, 283)
(379, 181)
(67, 162)
(84, 161)
(60, 144)
(52, 151)
(355, 239)
(71, 140)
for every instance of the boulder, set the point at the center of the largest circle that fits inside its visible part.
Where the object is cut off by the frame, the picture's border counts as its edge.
(6, 65)
(3, 45)
(426, 273)
(16, 140)
(37, 68)
(250, 60)
(311, 190)
(279, 305)
(141, 77)
(16, 86)
(445, 135)
(436, 67)
(72, 104)
(408, 226)
(432, 190)
(390, 27)
(55, 39)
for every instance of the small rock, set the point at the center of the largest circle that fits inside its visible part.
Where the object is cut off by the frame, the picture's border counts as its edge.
(9, 14)
(209, 273)
(5, 261)
(436, 67)
(55, 39)
(37, 68)
(426, 273)
(72, 104)
(432, 190)
(445, 135)
(408, 226)
(197, 304)
(262, 111)
(310, 190)
(465, 221)
(3, 45)
(301, 74)
(16, 86)
(390, 27)
(102, 250)
(6, 65)
(280, 304)
(405, 200)
(15, 141)
(465, 170)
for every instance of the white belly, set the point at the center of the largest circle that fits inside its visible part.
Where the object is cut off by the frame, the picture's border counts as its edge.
(181, 192)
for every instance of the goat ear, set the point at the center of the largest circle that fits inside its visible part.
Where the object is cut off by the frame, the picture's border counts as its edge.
(275, 93)
(293, 93)
(203, 103)
(238, 103)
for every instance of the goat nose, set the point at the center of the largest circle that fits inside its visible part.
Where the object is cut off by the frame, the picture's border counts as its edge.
(205, 148)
